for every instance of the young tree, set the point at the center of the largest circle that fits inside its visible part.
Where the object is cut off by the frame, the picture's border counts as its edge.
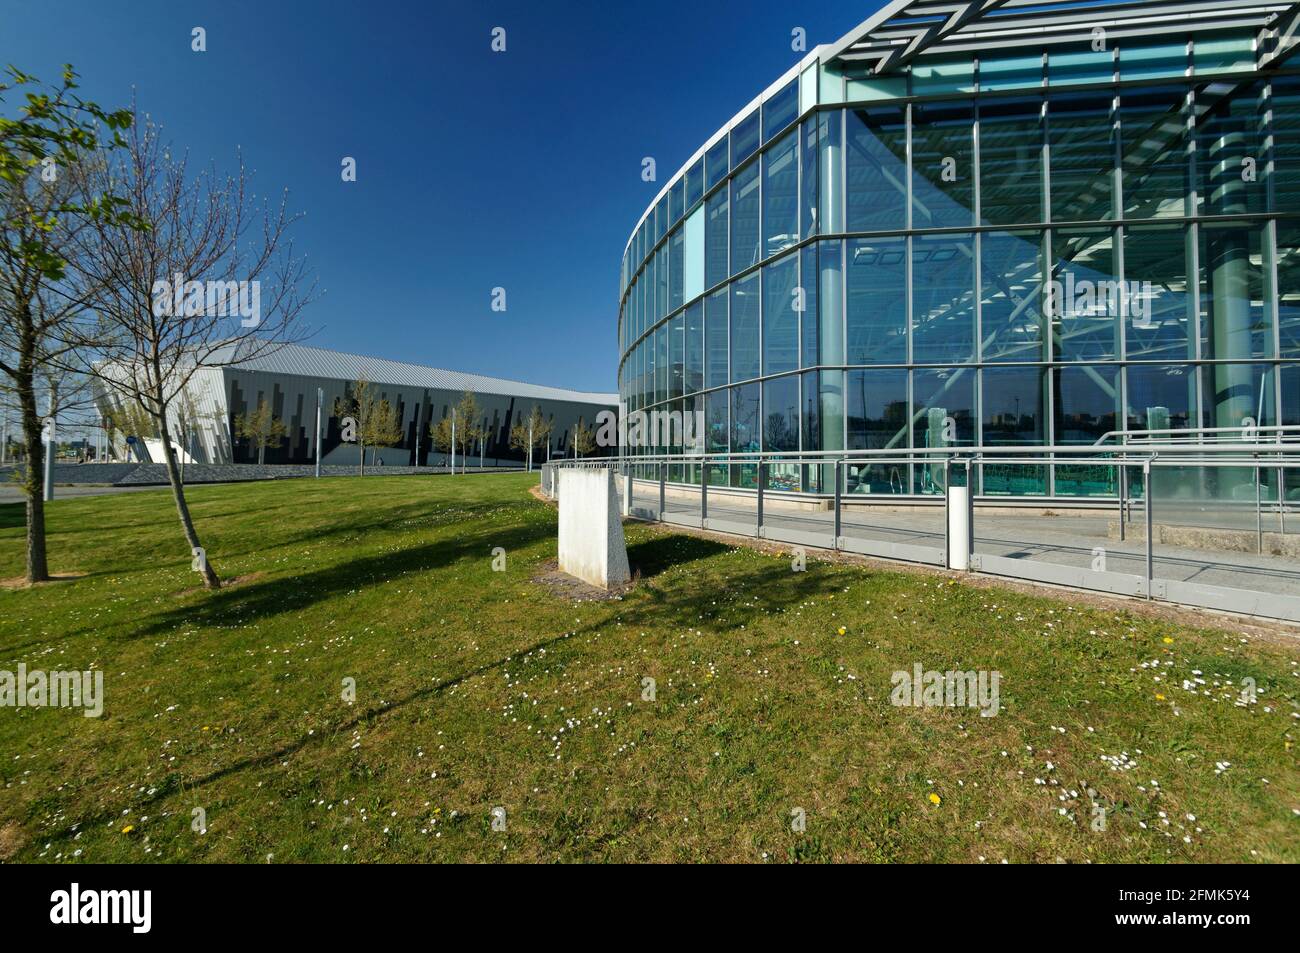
(53, 133)
(440, 434)
(355, 411)
(212, 282)
(530, 433)
(468, 426)
(383, 427)
(584, 438)
(261, 428)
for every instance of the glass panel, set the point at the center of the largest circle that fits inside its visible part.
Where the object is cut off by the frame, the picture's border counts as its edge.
(830, 174)
(1084, 295)
(661, 363)
(745, 432)
(877, 169)
(1231, 138)
(1288, 280)
(943, 299)
(661, 282)
(1155, 167)
(1139, 60)
(1286, 145)
(676, 265)
(661, 218)
(823, 317)
(1161, 397)
(1155, 305)
(877, 301)
(781, 194)
(943, 415)
(781, 414)
(1235, 324)
(1011, 292)
(949, 74)
(693, 255)
(744, 219)
(1238, 395)
(1081, 137)
(694, 183)
(676, 356)
(716, 337)
(675, 205)
(808, 162)
(1291, 417)
(744, 328)
(694, 345)
(877, 420)
(942, 165)
(780, 110)
(1011, 161)
(1087, 403)
(1083, 64)
(1012, 399)
(1234, 52)
(715, 240)
(716, 421)
(1023, 71)
(716, 163)
(780, 319)
(744, 139)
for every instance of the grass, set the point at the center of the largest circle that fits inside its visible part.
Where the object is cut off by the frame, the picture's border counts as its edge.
(478, 689)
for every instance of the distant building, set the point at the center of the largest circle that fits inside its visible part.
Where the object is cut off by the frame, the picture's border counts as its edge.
(289, 379)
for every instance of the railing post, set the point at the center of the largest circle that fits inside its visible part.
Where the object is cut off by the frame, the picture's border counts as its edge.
(970, 508)
(1281, 499)
(704, 491)
(1123, 481)
(1146, 500)
(663, 479)
(947, 510)
(1259, 508)
(762, 481)
(838, 490)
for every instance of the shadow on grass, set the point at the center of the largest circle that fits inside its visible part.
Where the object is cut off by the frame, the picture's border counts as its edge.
(652, 556)
(13, 515)
(274, 597)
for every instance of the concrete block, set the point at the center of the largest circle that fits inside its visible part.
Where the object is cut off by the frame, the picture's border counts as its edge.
(592, 546)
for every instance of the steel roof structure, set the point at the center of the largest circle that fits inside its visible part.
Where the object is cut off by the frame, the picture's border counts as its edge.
(304, 361)
(905, 29)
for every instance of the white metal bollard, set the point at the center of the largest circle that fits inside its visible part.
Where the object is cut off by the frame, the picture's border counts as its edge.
(627, 493)
(958, 527)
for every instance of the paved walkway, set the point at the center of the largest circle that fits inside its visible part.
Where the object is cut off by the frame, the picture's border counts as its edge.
(1063, 540)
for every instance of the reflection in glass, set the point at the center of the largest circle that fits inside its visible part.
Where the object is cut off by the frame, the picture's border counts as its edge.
(1011, 295)
(943, 299)
(1081, 139)
(744, 328)
(780, 319)
(876, 167)
(942, 165)
(877, 301)
(744, 219)
(781, 195)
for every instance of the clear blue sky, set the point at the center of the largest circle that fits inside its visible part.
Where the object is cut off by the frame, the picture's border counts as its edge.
(475, 169)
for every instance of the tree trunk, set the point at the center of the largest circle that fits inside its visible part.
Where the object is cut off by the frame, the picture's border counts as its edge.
(362, 445)
(261, 455)
(210, 578)
(38, 569)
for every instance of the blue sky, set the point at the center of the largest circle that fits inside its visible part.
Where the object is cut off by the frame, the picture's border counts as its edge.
(474, 169)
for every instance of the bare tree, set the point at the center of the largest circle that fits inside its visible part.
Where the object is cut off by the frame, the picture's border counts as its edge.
(212, 282)
(530, 433)
(584, 439)
(366, 418)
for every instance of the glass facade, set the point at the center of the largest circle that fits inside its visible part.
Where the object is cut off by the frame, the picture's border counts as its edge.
(1024, 248)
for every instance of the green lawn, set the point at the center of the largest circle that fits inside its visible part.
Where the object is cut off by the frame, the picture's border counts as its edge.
(478, 689)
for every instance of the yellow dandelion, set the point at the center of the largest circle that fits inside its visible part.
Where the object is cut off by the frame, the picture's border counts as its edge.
(1159, 697)
(1167, 640)
(128, 829)
(204, 728)
(842, 630)
(935, 799)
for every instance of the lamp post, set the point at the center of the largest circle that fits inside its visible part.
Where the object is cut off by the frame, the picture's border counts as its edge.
(320, 399)
(453, 441)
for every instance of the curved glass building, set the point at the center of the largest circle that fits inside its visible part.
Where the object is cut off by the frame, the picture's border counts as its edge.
(1023, 223)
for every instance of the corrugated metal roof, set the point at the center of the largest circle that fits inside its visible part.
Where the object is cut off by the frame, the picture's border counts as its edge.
(318, 362)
